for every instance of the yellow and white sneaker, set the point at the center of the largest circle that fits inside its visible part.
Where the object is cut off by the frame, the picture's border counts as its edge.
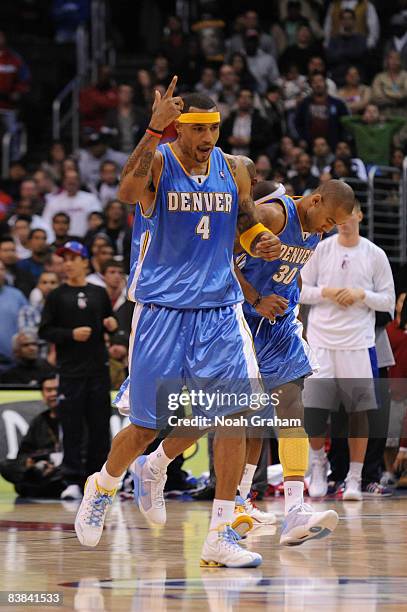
(92, 512)
(222, 549)
(247, 506)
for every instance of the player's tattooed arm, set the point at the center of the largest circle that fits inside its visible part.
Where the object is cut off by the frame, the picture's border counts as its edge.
(144, 164)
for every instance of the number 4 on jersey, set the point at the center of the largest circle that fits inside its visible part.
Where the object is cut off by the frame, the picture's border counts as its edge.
(202, 229)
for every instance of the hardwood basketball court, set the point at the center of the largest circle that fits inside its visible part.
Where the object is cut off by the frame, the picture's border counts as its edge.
(363, 566)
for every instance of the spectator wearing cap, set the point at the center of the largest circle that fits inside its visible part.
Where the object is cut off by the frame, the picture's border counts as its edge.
(262, 66)
(37, 243)
(11, 300)
(94, 154)
(74, 202)
(97, 99)
(76, 316)
(29, 368)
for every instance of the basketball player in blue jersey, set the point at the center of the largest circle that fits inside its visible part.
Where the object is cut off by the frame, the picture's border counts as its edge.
(188, 323)
(271, 290)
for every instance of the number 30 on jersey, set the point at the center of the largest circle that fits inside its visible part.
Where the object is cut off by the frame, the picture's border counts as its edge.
(285, 274)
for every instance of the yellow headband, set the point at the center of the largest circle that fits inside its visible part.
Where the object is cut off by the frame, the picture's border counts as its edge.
(199, 118)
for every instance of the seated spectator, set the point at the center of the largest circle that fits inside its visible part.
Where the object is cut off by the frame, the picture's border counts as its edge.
(292, 21)
(322, 157)
(262, 66)
(35, 472)
(293, 92)
(29, 316)
(318, 115)
(14, 84)
(355, 95)
(127, 120)
(106, 189)
(29, 369)
(115, 285)
(95, 227)
(389, 88)
(250, 21)
(316, 65)
(209, 84)
(373, 135)
(263, 168)
(238, 62)
(341, 168)
(15, 276)
(347, 48)
(245, 131)
(273, 108)
(96, 152)
(303, 181)
(37, 243)
(46, 185)
(301, 52)
(74, 202)
(53, 164)
(101, 252)
(11, 300)
(287, 154)
(118, 358)
(20, 232)
(11, 185)
(367, 21)
(343, 151)
(30, 194)
(119, 232)
(60, 226)
(97, 99)
(229, 89)
(398, 40)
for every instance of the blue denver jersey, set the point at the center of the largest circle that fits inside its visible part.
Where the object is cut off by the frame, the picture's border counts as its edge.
(182, 254)
(280, 276)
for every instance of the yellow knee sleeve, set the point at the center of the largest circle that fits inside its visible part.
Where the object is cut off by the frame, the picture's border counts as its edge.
(293, 450)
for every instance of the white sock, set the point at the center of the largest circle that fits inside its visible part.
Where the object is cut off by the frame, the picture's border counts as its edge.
(315, 455)
(106, 481)
(247, 479)
(293, 494)
(159, 459)
(223, 511)
(355, 469)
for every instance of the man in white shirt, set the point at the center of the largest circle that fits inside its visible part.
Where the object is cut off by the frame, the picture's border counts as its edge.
(74, 202)
(345, 282)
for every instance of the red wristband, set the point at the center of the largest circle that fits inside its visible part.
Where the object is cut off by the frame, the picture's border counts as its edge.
(153, 133)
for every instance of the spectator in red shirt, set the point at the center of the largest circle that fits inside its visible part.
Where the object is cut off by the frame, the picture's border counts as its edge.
(96, 100)
(14, 82)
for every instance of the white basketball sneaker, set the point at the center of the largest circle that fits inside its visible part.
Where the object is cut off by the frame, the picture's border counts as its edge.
(302, 524)
(353, 489)
(92, 512)
(248, 507)
(222, 549)
(149, 483)
(318, 485)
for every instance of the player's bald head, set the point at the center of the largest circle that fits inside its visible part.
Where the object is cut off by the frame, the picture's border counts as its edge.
(337, 194)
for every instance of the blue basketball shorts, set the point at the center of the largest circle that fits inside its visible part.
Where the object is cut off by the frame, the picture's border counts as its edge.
(205, 350)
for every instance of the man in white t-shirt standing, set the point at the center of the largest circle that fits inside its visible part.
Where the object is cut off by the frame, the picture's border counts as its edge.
(74, 202)
(345, 282)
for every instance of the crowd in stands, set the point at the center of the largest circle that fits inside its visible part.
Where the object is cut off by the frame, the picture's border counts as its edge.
(319, 93)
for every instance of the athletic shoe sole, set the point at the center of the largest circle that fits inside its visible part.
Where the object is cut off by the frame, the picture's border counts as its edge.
(214, 564)
(322, 528)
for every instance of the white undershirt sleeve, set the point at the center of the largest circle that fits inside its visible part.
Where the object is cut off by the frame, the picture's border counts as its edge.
(382, 298)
